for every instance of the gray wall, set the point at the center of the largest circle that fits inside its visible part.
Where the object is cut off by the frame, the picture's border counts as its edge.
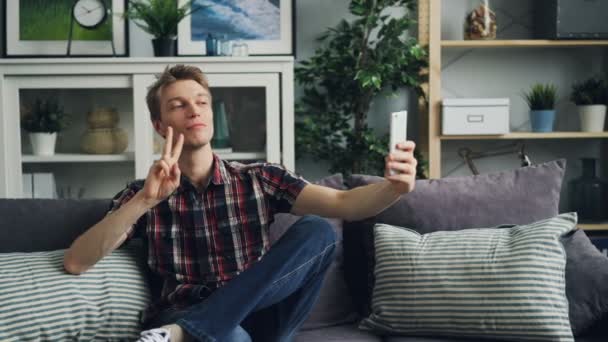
(466, 73)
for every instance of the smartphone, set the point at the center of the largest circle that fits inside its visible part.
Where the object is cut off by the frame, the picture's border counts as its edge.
(398, 131)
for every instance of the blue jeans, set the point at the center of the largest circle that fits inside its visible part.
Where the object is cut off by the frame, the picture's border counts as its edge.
(270, 300)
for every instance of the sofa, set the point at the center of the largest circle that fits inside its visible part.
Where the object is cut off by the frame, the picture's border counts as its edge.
(33, 233)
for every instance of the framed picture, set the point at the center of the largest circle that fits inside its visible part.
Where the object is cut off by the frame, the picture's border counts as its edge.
(266, 26)
(41, 28)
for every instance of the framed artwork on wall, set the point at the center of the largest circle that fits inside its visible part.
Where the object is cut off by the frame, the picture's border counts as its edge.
(266, 26)
(42, 28)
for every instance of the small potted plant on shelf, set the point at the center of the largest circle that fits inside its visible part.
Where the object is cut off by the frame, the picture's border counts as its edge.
(589, 96)
(541, 100)
(43, 121)
(160, 18)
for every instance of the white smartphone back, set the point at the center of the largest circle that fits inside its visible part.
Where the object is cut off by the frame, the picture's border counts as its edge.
(398, 131)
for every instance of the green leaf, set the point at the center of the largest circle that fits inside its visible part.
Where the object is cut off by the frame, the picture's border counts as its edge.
(345, 74)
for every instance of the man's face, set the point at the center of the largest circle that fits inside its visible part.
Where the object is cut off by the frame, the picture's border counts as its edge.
(186, 106)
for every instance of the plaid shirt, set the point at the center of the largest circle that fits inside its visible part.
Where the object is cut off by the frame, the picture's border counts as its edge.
(199, 241)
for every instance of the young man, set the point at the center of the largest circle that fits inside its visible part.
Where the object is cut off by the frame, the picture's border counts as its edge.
(206, 224)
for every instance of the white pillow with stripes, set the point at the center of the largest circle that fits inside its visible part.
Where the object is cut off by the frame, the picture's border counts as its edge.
(487, 283)
(39, 301)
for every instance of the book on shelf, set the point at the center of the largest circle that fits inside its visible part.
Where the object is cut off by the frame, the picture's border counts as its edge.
(39, 185)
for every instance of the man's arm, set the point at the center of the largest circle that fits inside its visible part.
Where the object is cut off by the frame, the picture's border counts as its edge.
(352, 205)
(104, 237)
(365, 201)
(107, 235)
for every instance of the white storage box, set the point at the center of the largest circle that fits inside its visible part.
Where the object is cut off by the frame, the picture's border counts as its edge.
(475, 116)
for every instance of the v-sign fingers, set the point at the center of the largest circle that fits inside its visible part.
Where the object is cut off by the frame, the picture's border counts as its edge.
(168, 143)
(177, 150)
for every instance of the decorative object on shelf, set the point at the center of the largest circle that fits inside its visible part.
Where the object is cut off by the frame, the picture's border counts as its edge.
(160, 18)
(541, 101)
(569, 19)
(221, 132)
(474, 116)
(588, 194)
(266, 26)
(468, 155)
(332, 114)
(225, 45)
(480, 23)
(43, 121)
(211, 45)
(590, 97)
(157, 143)
(102, 136)
(240, 49)
(89, 15)
(33, 28)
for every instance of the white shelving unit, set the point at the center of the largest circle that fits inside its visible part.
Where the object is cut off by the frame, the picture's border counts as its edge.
(259, 90)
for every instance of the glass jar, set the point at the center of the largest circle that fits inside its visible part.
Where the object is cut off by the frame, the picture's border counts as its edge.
(480, 21)
(588, 194)
(240, 49)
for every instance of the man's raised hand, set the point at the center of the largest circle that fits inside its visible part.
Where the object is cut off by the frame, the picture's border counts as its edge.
(164, 175)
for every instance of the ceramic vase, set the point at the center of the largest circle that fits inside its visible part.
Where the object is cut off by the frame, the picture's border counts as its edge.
(43, 144)
(588, 194)
(542, 120)
(592, 117)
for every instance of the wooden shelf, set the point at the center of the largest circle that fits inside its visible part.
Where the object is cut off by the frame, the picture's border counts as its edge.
(593, 226)
(524, 43)
(78, 158)
(530, 135)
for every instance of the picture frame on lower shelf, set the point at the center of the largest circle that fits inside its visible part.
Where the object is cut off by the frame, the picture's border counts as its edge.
(267, 30)
(36, 28)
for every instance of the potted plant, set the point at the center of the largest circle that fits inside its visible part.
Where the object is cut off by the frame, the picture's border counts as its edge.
(356, 62)
(590, 99)
(541, 100)
(43, 121)
(160, 18)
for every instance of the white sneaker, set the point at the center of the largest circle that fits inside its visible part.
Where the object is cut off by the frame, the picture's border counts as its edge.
(155, 335)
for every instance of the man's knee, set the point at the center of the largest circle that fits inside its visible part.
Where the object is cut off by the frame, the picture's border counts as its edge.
(317, 229)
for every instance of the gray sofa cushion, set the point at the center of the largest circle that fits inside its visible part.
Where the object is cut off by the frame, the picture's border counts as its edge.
(431, 339)
(346, 333)
(586, 282)
(482, 282)
(517, 196)
(29, 225)
(39, 301)
(334, 305)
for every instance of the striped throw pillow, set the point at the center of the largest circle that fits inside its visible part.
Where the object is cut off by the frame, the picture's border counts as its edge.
(39, 301)
(478, 283)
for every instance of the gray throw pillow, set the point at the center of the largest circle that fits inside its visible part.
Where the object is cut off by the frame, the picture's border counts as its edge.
(39, 301)
(334, 305)
(586, 282)
(506, 284)
(517, 196)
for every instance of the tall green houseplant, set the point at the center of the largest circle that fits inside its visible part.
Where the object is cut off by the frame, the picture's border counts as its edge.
(356, 61)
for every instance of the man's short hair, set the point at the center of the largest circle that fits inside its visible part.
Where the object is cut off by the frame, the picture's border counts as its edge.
(171, 75)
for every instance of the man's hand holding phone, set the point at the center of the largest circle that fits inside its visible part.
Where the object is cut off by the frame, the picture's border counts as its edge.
(400, 164)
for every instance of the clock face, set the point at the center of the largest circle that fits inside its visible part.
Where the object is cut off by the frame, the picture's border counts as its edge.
(89, 13)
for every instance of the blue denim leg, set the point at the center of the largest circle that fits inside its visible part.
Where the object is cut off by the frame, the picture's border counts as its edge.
(287, 279)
